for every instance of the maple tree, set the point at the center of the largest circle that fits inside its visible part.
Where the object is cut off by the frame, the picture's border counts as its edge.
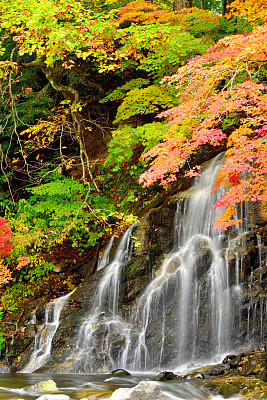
(223, 104)
(5, 248)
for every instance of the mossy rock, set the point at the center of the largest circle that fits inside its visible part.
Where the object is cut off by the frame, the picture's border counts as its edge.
(120, 373)
(249, 388)
(43, 387)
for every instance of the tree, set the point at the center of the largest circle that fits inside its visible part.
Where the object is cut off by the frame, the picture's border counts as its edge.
(254, 10)
(5, 248)
(180, 4)
(223, 105)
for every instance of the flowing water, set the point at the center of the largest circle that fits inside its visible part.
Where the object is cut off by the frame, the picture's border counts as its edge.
(45, 333)
(99, 329)
(78, 386)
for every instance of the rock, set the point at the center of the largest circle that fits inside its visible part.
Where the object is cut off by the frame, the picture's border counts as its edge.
(166, 376)
(43, 387)
(228, 358)
(256, 365)
(120, 373)
(4, 368)
(145, 390)
(195, 375)
(54, 397)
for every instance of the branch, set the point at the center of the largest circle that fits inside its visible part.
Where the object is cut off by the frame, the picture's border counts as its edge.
(77, 123)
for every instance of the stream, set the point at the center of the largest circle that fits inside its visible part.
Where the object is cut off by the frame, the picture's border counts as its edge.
(92, 386)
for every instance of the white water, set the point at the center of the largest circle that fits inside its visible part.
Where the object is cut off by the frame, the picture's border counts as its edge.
(104, 260)
(94, 337)
(181, 271)
(45, 334)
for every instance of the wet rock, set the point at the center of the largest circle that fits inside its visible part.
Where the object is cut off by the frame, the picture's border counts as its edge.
(4, 368)
(120, 373)
(43, 387)
(262, 348)
(148, 390)
(256, 365)
(248, 388)
(166, 376)
(195, 375)
(228, 358)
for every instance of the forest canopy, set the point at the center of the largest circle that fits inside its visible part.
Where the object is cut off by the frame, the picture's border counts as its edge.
(98, 96)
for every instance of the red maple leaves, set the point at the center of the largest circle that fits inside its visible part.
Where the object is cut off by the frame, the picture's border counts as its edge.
(221, 104)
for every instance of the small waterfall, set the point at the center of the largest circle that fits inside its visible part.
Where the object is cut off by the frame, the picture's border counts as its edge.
(45, 334)
(103, 331)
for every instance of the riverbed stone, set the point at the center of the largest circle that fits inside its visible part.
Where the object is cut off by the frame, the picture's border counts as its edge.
(43, 387)
(54, 397)
(145, 390)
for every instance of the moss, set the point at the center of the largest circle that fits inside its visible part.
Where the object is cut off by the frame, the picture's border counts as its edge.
(239, 387)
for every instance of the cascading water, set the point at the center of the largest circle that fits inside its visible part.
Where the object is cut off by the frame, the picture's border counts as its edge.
(103, 261)
(45, 334)
(101, 329)
(195, 273)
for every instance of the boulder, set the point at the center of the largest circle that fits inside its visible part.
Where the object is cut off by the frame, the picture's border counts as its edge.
(145, 390)
(120, 373)
(166, 376)
(54, 397)
(43, 387)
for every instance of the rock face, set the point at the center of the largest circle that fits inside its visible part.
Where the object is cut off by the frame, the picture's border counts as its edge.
(145, 390)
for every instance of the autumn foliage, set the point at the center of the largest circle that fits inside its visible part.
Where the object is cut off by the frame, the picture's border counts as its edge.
(5, 248)
(254, 10)
(222, 104)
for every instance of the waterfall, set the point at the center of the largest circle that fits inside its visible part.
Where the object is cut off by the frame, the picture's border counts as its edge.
(103, 261)
(194, 308)
(45, 333)
(103, 329)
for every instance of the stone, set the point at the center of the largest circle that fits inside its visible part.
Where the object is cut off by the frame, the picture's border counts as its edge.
(166, 376)
(43, 387)
(228, 358)
(54, 397)
(120, 373)
(4, 368)
(195, 375)
(145, 390)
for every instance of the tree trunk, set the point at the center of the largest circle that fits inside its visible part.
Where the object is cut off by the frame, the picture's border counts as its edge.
(180, 4)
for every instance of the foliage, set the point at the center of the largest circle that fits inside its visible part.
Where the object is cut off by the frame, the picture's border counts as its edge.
(5, 248)
(126, 139)
(222, 85)
(254, 10)
(5, 237)
(149, 100)
(120, 92)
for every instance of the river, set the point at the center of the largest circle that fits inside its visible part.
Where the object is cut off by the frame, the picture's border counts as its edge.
(92, 386)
